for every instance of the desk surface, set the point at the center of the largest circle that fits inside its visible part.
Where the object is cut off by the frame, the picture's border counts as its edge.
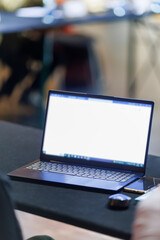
(20, 145)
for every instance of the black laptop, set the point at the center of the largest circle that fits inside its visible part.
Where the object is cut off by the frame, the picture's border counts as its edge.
(92, 141)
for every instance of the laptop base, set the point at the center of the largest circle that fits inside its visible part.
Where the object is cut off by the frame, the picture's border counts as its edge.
(25, 173)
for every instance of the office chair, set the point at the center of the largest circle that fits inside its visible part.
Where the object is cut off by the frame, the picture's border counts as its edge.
(9, 226)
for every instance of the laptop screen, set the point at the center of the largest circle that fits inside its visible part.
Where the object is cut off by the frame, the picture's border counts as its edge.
(97, 128)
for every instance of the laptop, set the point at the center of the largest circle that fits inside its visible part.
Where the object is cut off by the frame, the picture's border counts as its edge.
(92, 141)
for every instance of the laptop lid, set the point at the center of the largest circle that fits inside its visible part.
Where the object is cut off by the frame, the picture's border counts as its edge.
(97, 130)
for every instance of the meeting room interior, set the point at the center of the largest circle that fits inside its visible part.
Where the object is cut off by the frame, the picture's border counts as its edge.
(95, 47)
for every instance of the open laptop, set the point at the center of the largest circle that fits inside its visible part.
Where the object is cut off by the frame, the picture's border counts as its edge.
(92, 141)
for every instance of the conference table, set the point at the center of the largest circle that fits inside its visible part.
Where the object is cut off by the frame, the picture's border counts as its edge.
(83, 207)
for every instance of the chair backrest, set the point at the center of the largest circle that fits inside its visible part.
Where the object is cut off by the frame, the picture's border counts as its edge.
(9, 227)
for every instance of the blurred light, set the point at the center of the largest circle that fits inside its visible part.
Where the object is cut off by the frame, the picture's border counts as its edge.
(50, 4)
(141, 6)
(52, 16)
(48, 19)
(73, 9)
(155, 8)
(111, 4)
(119, 11)
(32, 12)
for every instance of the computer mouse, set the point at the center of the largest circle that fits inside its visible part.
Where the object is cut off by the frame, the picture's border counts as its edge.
(119, 201)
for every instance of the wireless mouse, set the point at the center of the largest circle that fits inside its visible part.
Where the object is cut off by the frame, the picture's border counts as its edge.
(119, 201)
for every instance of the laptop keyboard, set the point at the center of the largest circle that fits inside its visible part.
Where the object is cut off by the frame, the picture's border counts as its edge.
(81, 171)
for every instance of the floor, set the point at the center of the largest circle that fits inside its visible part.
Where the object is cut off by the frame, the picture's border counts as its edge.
(32, 225)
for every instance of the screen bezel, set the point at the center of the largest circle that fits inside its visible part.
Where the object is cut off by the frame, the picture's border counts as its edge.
(71, 160)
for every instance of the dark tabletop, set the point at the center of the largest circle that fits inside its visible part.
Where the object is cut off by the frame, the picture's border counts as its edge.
(20, 145)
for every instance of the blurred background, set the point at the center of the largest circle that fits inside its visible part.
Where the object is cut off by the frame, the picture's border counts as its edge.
(106, 47)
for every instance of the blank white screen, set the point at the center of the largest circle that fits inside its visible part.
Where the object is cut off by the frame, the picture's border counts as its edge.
(95, 128)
